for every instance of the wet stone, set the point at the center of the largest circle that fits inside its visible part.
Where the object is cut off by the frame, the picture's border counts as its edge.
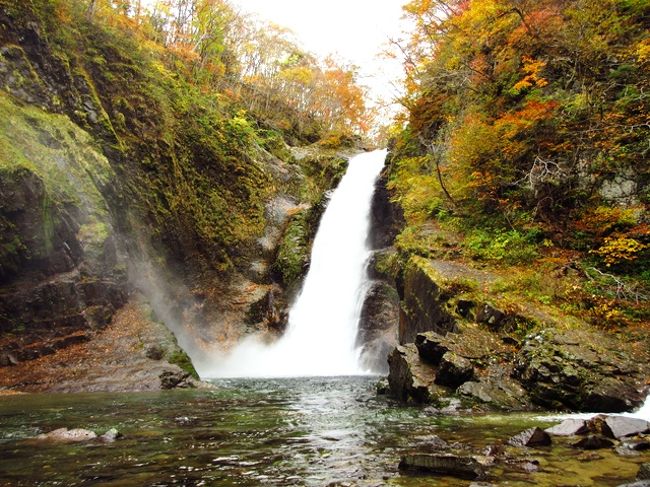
(64, 435)
(598, 425)
(464, 467)
(110, 436)
(621, 426)
(569, 427)
(593, 442)
(625, 451)
(531, 437)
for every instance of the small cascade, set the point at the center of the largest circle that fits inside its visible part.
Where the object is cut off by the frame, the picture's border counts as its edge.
(643, 412)
(323, 322)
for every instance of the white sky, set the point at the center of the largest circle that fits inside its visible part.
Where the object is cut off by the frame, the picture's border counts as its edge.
(354, 30)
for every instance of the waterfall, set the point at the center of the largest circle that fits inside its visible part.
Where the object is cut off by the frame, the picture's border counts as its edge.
(323, 322)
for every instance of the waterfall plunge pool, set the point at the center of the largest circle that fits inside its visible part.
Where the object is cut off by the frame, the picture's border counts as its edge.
(252, 432)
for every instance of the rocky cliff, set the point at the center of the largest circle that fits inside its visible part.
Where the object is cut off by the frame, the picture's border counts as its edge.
(467, 331)
(122, 181)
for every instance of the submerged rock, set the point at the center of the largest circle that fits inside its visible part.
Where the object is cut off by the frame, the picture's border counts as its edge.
(593, 442)
(64, 435)
(464, 467)
(110, 436)
(531, 437)
(634, 445)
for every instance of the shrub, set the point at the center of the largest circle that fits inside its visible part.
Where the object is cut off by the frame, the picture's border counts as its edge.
(509, 247)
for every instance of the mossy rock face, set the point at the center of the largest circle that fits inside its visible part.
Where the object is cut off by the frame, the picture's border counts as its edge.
(424, 303)
(51, 202)
(293, 255)
(58, 255)
(180, 358)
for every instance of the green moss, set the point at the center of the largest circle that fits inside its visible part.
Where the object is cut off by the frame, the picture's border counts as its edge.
(180, 358)
(58, 152)
(293, 254)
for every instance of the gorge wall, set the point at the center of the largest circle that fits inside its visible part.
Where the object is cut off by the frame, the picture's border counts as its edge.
(121, 181)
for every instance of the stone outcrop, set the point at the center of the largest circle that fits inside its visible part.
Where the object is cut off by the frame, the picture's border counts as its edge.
(380, 313)
(61, 271)
(474, 350)
(377, 334)
(386, 217)
(438, 367)
(424, 302)
(580, 370)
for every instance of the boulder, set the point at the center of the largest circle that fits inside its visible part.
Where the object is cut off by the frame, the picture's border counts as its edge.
(620, 426)
(464, 467)
(8, 359)
(382, 387)
(530, 438)
(569, 427)
(496, 389)
(490, 316)
(409, 378)
(465, 308)
(177, 378)
(64, 435)
(431, 347)
(599, 426)
(581, 370)
(454, 370)
(593, 442)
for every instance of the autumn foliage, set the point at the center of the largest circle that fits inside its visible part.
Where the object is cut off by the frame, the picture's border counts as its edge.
(529, 116)
(257, 64)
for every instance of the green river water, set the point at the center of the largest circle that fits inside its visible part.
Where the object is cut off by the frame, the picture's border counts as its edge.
(265, 432)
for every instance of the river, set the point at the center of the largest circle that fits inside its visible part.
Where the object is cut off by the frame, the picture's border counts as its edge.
(285, 432)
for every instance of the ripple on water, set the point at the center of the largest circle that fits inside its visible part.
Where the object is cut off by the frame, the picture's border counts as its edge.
(256, 432)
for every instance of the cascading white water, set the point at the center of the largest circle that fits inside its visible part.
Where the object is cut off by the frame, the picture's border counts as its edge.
(643, 412)
(321, 334)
